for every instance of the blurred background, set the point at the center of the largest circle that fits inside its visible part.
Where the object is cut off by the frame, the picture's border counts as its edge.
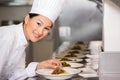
(80, 20)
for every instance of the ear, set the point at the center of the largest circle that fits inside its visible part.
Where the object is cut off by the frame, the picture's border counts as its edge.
(27, 18)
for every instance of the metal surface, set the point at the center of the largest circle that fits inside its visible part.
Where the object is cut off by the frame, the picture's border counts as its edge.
(5, 1)
(109, 68)
(83, 18)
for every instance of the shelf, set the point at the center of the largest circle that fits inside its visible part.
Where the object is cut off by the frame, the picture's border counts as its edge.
(14, 5)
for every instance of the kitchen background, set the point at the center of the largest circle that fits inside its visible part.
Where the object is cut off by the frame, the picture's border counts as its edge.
(81, 20)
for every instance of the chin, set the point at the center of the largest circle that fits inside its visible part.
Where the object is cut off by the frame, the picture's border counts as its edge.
(36, 39)
(33, 40)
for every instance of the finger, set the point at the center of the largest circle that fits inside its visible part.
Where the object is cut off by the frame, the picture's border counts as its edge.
(56, 62)
(51, 66)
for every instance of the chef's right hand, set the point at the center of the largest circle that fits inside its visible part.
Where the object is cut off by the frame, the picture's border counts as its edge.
(51, 64)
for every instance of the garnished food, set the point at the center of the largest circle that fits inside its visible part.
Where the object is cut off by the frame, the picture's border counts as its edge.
(74, 51)
(65, 59)
(71, 55)
(80, 42)
(59, 70)
(65, 64)
(76, 47)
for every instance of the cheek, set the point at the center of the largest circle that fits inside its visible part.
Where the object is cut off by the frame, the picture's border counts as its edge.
(46, 33)
(32, 28)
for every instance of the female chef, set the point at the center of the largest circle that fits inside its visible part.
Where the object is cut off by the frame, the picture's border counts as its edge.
(14, 39)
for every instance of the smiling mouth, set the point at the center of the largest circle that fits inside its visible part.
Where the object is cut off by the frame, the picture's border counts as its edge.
(36, 35)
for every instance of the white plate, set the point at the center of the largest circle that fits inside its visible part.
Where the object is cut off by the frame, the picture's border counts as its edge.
(75, 60)
(47, 73)
(75, 65)
(77, 56)
(88, 60)
(88, 75)
(72, 60)
(87, 72)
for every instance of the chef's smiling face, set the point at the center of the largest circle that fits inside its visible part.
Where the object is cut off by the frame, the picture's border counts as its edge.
(37, 27)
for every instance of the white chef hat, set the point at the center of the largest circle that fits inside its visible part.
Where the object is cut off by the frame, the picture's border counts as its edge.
(48, 8)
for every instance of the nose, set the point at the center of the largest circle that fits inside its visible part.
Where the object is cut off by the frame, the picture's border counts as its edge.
(40, 30)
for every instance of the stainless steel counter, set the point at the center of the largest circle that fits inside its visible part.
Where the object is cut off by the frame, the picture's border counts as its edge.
(76, 77)
(86, 71)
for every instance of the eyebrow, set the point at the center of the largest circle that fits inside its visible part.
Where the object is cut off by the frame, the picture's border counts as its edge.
(47, 26)
(41, 21)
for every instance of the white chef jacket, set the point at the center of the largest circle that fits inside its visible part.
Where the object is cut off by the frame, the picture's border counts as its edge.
(12, 54)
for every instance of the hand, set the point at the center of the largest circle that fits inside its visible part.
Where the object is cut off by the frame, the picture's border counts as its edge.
(49, 64)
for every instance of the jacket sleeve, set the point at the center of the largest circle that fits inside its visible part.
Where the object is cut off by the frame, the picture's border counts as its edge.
(20, 72)
(23, 73)
(31, 69)
(11, 68)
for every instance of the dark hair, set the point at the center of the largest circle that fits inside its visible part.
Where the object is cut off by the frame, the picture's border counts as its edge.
(31, 15)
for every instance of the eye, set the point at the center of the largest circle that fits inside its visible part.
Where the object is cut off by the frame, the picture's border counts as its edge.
(39, 24)
(46, 28)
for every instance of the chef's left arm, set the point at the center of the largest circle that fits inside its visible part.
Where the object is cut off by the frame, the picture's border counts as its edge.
(21, 72)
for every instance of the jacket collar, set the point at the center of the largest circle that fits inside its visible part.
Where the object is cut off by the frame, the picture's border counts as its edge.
(23, 39)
